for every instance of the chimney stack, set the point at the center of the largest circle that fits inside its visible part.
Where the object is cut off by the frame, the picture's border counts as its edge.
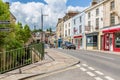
(94, 2)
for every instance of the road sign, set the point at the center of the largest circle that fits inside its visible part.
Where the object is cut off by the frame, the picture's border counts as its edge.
(4, 22)
(4, 29)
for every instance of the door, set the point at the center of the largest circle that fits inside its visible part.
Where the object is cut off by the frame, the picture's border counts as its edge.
(110, 42)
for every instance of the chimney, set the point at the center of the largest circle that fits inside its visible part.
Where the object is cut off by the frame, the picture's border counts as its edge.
(94, 2)
(8, 4)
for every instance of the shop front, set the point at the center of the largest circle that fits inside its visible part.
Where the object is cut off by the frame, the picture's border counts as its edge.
(78, 41)
(92, 41)
(111, 39)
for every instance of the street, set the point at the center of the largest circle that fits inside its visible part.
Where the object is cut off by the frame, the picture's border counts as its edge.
(108, 64)
(93, 66)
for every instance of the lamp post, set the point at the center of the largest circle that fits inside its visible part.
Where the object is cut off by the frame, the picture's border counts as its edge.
(42, 24)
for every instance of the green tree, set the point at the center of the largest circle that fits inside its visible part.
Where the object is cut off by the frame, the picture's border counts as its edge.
(4, 15)
(27, 32)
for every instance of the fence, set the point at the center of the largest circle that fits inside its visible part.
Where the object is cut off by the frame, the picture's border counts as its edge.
(17, 58)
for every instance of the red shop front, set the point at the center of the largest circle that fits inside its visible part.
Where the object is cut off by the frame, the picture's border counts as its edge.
(111, 39)
(78, 41)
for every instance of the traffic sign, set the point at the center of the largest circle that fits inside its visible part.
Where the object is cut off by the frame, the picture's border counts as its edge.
(4, 22)
(4, 29)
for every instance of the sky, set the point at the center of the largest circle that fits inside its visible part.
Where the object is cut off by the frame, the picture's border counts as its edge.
(29, 11)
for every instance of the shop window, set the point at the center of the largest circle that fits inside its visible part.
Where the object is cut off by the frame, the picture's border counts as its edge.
(117, 40)
(89, 40)
(81, 42)
(92, 40)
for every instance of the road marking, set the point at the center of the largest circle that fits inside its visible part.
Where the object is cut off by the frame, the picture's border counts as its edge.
(83, 69)
(98, 78)
(91, 74)
(109, 78)
(77, 65)
(98, 72)
(85, 65)
(91, 68)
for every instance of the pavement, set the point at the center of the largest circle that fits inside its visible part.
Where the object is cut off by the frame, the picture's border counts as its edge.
(54, 61)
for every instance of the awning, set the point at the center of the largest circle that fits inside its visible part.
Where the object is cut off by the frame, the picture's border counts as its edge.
(111, 30)
(80, 36)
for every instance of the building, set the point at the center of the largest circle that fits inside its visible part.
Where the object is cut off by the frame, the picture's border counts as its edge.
(68, 30)
(60, 30)
(111, 30)
(93, 25)
(78, 35)
(12, 18)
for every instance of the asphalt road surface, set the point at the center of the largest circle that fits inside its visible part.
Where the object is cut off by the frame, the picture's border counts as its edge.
(105, 64)
(93, 66)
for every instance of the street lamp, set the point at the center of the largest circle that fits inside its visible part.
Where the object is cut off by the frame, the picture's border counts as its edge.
(42, 24)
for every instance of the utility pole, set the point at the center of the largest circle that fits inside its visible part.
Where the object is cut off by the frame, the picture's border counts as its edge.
(42, 24)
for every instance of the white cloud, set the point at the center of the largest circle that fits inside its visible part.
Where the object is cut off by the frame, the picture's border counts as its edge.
(30, 13)
(77, 8)
(6, 0)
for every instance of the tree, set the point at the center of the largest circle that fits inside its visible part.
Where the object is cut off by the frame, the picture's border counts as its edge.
(27, 32)
(50, 29)
(4, 15)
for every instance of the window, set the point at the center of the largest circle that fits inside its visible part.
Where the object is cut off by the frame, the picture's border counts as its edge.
(66, 26)
(92, 40)
(80, 29)
(117, 40)
(65, 33)
(89, 25)
(112, 5)
(69, 24)
(89, 15)
(97, 11)
(81, 42)
(69, 31)
(80, 19)
(74, 21)
(97, 23)
(112, 19)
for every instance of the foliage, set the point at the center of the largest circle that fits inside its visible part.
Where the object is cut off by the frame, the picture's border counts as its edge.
(39, 30)
(17, 36)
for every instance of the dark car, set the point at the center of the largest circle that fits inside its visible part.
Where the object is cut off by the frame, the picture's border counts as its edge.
(68, 45)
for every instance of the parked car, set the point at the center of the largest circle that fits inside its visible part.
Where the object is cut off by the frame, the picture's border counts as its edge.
(68, 45)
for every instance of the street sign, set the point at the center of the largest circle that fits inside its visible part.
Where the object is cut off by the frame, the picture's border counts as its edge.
(4, 29)
(4, 22)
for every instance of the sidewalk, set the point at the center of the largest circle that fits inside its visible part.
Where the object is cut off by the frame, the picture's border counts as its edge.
(110, 52)
(53, 61)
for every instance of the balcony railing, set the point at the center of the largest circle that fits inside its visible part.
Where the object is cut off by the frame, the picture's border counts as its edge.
(10, 60)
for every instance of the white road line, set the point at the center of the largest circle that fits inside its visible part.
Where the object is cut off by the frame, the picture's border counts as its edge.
(83, 69)
(98, 72)
(98, 78)
(77, 65)
(91, 74)
(85, 65)
(91, 68)
(109, 78)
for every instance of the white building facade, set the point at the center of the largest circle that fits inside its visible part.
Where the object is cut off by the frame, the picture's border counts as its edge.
(78, 35)
(93, 25)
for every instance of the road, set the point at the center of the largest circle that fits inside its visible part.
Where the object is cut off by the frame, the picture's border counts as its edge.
(93, 66)
(108, 64)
